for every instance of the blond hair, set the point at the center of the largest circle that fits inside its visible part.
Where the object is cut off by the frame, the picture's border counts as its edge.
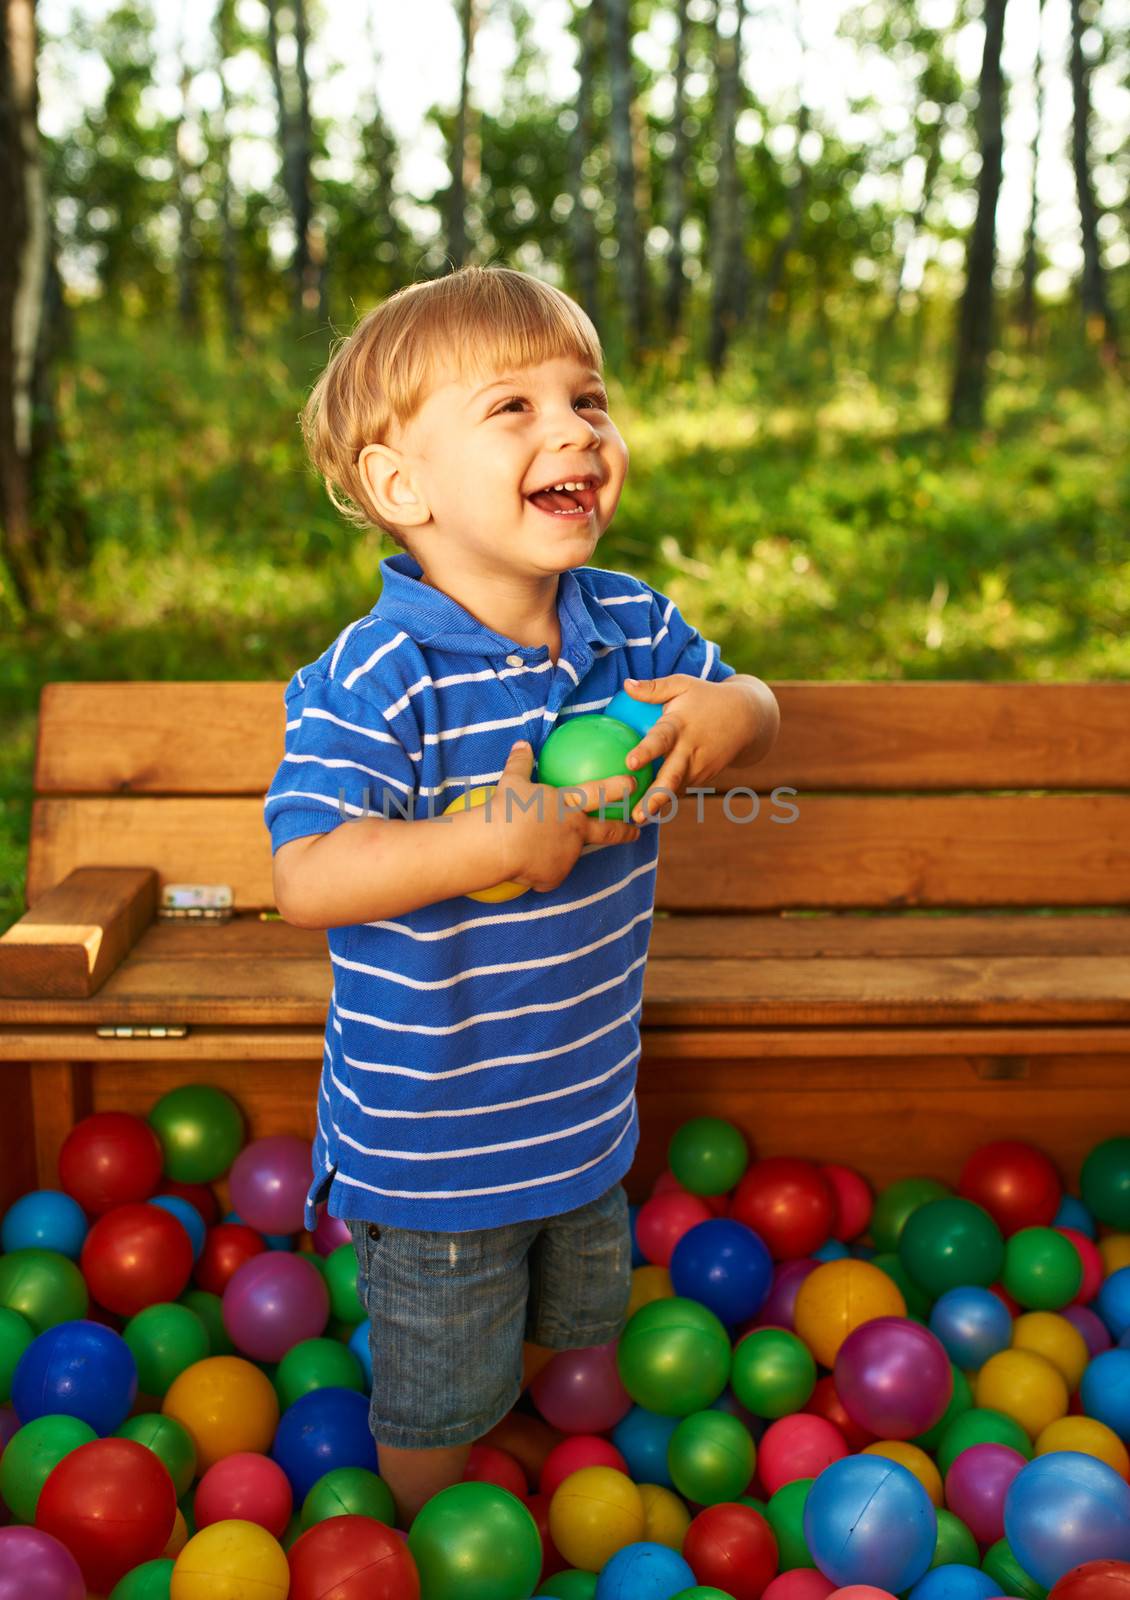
(472, 320)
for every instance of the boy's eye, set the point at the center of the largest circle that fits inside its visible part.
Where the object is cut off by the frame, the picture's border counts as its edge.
(599, 401)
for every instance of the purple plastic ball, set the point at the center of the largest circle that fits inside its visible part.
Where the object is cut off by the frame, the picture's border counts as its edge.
(34, 1563)
(273, 1301)
(893, 1377)
(778, 1309)
(579, 1391)
(269, 1180)
(329, 1233)
(1095, 1332)
(976, 1485)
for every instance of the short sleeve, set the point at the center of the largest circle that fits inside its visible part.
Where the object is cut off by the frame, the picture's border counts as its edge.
(341, 761)
(679, 647)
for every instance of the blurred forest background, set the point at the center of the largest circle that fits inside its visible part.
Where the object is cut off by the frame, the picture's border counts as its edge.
(878, 421)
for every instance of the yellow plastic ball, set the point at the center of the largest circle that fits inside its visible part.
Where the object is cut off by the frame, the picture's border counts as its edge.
(1057, 1340)
(179, 1536)
(838, 1297)
(648, 1284)
(1025, 1386)
(594, 1513)
(665, 1517)
(1090, 1437)
(1115, 1251)
(231, 1561)
(914, 1460)
(227, 1404)
(498, 891)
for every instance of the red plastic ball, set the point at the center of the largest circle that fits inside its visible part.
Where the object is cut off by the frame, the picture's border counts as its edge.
(1017, 1184)
(825, 1402)
(226, 1247)
(798, 1446)
(1094, 1270)
(200, 1195)
(248, 1487)
(110, 1159)
(854, 1200)
(1013, 1307)
(789, 1202)
(667, 1183)
(663, 1220)
(488, 1464)
(135, 1256)
(579, 1450)
(112, 1503)
(732, 1547)
(552, 1559)
(352, 1558)
(1095, 1580)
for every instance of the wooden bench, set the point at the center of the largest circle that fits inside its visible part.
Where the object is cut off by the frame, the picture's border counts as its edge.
(936, 952)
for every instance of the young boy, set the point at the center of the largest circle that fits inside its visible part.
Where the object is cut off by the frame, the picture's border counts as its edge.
(476, 1110)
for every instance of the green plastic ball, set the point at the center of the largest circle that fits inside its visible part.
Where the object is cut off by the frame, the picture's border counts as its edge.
(710, 1457)
(201, 1132)
(169, 1440)
(949, 1243)
(294, 1530)
(32, 1454)
(44, 1287)
(341, 1280)
(1042, 1269)
(961, 1401)
(955, 1546)
(1002, 1565)
(572, 1584)
(1105, 1183)
(16, 1333)
(165, 1339)
(674, 1357)
(317, 1364)
(785, 1515)
(894, 1204)
(586, 749)
(475, 1541)
(702, 1591)
(188, 1510)
(708, 1155)
(918, 1302)
(773, 1372)
(209, 1309)
(150, 1581)
(981, 1426)
(349, 1492)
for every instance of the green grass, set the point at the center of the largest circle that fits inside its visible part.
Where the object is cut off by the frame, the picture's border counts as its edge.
(815, 530)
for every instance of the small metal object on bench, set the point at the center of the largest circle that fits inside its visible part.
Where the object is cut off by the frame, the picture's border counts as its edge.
(197, 902)
(143, 1030)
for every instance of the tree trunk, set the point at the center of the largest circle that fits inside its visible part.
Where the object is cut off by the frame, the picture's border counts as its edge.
(229, 248)
(188, 290)
(677, 178)
(582, 229)
(307, 286)
(798, 193)
(1097, 311)
(726, 225)
(1028, 269)
(975, 320)
(629, 256)
(464, 149)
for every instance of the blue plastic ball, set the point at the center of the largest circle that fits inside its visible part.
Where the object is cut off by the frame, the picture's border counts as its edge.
(77, 1369)
(953, 1582)
(831, 1250)
(359, 1344)
(187, 1215)
(1073, 1213)
(324, 1429)
(642, 1438)
(638, 1257)
(44, 1219)
(972, 1323)
(638, 714)
(1105, 1391)
(1063, 1509)
(644, 1572)
(1113, 1302)
(869, 1520)
(725, 1266)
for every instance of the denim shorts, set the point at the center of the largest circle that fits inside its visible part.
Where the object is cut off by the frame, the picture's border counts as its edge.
(448, 1313)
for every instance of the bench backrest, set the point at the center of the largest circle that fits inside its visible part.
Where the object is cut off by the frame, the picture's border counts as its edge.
(908, 795)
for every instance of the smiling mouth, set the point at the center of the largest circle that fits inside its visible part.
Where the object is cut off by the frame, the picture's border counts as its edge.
(576, 504)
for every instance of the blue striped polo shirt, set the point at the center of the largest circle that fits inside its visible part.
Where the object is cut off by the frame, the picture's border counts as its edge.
(479, 1062)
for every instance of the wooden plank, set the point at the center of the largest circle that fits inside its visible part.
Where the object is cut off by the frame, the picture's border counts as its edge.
(887, 852)
(17, 1137)
(146, 737)
(61, 1094)
(77, 933)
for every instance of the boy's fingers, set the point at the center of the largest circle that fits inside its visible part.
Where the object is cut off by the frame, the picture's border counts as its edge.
(587, 796)
(520, 761)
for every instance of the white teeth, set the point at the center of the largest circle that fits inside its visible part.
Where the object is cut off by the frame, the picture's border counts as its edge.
(571, 485)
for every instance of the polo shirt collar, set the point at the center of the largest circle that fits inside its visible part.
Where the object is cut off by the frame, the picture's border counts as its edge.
(433, 618)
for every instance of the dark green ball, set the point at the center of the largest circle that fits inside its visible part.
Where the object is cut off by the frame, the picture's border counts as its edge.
(1105, 1182)
(586, 749)
(949, 1243)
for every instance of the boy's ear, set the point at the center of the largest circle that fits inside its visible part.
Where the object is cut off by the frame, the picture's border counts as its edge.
(390, 485)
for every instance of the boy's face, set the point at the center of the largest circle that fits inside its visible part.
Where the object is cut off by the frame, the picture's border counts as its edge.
(465, 476)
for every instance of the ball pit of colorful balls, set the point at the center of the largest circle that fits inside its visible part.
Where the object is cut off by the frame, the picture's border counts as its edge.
(818, 1391)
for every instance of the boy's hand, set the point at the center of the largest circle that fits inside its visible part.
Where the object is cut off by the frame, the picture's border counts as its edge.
(542, 841)
(702, 728)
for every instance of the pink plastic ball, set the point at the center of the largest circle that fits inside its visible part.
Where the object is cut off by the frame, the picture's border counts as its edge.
(662, 1221)
(799, 1446)
(329, 1233)
(582, 1450)
(34, 1563)
(269, 1180)
(579, 1391)
(854, 1200)
(248, 1487)
(893, 1377)
(861, 1591)
(272, 1302)
(1094, 1271)
(803, 1583)
(976, 1485)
